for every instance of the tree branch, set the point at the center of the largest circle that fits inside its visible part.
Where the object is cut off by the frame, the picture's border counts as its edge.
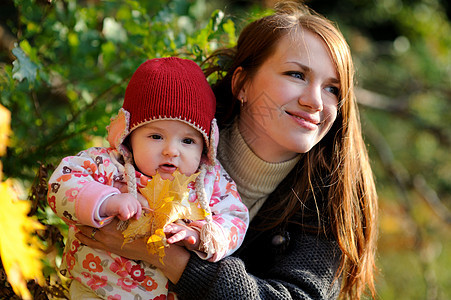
(403, 179)
(7, 41)
(400, 108)
(431, 198)
(381, 102)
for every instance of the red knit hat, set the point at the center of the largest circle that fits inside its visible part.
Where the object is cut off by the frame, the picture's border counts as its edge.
(168, 88)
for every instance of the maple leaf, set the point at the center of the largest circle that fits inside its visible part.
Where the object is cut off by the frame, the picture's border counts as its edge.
(19, 248)
(23, 67)
(168, 202)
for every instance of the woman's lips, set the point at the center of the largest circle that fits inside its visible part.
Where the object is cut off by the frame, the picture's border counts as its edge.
(304, 120)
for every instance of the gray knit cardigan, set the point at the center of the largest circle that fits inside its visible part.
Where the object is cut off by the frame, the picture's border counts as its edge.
(282, 263)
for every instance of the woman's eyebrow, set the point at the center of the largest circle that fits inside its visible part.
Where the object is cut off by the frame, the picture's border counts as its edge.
(334, 80)
(307, 69)
(301, 65)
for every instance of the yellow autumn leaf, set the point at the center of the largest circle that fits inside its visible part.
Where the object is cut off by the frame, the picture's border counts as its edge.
(156, 243)
(5, 118)
(138, 228)
(168, 202)
(19, 249)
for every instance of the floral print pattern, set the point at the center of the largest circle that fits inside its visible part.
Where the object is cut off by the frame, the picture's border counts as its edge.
(121, 266)
(92, 263)
(97, 282)
(149, 284)
(80, 181)
(71, 194)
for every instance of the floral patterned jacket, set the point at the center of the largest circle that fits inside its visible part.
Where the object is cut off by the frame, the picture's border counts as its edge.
(76, 189)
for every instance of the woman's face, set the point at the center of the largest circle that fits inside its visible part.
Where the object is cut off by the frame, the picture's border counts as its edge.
(291, 101)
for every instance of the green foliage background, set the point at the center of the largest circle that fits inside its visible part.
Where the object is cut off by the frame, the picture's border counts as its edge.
(67, 74)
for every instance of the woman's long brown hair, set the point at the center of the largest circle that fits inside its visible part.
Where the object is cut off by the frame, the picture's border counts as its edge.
(338, 166)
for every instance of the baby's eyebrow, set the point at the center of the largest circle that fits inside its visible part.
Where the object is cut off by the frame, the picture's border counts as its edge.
(152, 126)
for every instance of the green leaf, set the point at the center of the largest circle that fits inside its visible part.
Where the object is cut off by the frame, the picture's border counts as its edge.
(23, 67)
(229, 28)
(113, 31)
(216, 18)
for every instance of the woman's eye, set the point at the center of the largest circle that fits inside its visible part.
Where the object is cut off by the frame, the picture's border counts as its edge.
(333, 90)
(155, 136)
(297, 75)
(188, 141)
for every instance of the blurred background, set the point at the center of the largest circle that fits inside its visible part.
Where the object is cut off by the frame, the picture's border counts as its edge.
(64, 66)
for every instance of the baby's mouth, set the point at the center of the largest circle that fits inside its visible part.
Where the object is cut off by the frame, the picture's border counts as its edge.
(167, 168)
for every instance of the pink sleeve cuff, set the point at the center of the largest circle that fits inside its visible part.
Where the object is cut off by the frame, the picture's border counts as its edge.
(88, 200)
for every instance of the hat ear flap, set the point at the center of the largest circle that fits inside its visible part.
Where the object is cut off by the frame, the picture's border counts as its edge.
(118, 128)
(213, 142)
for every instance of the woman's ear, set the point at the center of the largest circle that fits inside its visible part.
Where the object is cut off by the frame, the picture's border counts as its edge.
(237, 83)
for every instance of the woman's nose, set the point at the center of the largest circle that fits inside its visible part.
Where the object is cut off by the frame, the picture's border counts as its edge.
(311, 97)
(170, 149)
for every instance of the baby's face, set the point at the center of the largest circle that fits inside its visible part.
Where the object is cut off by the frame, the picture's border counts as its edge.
(166, 145)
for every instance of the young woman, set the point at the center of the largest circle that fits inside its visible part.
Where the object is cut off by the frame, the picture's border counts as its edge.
(291, 140)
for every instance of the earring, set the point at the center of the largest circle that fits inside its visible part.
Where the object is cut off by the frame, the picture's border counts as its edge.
(242, 101)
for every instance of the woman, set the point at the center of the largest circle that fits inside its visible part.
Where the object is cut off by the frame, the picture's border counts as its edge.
(291, 139)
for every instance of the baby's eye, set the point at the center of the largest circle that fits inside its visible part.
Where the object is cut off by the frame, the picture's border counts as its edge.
(155, 136)
(296, 74)
(188, 141)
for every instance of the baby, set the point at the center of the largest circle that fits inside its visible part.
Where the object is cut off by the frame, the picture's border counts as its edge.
(166, 124)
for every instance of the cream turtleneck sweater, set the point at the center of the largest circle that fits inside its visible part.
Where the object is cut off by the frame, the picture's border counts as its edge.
(256, 179)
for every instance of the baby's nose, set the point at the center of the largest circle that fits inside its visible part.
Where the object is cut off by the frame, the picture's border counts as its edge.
(171, 150)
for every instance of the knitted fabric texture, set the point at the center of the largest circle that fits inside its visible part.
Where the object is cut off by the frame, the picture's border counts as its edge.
(304, 269)
(241, 163)
(169, 89)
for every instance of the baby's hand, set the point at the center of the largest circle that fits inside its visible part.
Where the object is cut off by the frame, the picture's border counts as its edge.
(124, 189)
(183, 235)
(143, 201)
(124, 206)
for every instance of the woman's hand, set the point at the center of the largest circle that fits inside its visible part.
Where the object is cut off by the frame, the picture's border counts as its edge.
(182, 235)
(108, 238)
